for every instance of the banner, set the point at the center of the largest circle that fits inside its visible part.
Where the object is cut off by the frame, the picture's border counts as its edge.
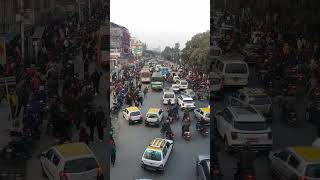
(3, 55)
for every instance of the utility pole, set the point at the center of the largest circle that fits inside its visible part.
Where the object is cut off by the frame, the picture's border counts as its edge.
(22, 29)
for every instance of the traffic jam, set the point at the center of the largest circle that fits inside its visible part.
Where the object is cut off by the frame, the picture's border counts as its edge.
(265, 101)
(161, 121)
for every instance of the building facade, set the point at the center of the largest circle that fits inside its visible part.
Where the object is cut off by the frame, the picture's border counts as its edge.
(119, 39)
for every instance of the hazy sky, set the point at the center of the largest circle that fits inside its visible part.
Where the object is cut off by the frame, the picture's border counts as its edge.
(162, 22)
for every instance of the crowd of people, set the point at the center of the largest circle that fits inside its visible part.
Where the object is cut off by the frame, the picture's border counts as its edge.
(51, 90)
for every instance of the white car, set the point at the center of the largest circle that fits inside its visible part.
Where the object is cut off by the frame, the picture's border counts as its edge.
(73, 161)
(185, 102)
(156, 155)
(175, 87)
(183, 84)
(169, 95)
(240, 125)
(154, 116)
(176, 78)
(203, 113)
(189, 92)
(132, 114)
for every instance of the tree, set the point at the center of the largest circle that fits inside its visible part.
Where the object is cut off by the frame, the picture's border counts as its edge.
(167, 53)
(176, 52)
(196, 52)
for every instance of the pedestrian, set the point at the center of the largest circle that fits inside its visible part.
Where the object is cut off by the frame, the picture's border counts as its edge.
(139, 86)
(100, 116)
(113, 154)
(91, 123)
(95, 76)
(141, 100)
(23, 97)
(145, 91)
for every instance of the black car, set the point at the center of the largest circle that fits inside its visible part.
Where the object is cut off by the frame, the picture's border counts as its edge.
(203, 167)
(313, 112)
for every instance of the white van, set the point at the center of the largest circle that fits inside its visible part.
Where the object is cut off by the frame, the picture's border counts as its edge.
(233, 70)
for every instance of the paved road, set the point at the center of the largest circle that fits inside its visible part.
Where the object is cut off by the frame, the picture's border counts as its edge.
(283, 136)
(132, 140)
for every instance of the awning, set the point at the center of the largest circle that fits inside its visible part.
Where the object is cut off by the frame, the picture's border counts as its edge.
(38, 33)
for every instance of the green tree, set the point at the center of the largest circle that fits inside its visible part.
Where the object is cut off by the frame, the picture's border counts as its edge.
(167, 53)
(196, 52)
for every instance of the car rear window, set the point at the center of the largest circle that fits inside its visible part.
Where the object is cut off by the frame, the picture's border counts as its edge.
(251, 126)
(168, 95)
(236, 68)
(152, 116)
(188, 101)
(313, 171)
(184, 82)
(152, 155)
(260, 100)
(137, 113)
(80, 165)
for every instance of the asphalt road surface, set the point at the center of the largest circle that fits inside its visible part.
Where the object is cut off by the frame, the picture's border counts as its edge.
(132, 140)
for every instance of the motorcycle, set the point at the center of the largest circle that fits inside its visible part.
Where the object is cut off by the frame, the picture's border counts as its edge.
(187, 135)
(170, 135)
(202, 129)
(216, 171)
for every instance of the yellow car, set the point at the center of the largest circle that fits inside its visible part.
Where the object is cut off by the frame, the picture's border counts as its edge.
(203, 113)
(132, 114)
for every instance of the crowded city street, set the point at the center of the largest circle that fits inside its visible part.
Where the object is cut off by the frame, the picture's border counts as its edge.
(132, 140)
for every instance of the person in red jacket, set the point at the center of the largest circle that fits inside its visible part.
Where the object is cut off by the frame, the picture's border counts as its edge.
(35, 83)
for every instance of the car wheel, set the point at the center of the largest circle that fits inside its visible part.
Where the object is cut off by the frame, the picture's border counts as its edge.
(146, 123)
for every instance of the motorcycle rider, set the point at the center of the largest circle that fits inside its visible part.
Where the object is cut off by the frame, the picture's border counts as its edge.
(166, 126)
(185, 128)
(246, 159)
(201, 124)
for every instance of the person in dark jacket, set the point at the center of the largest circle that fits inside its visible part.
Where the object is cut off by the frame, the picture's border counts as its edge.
(100, 116)
(113, 154)
(91, 123)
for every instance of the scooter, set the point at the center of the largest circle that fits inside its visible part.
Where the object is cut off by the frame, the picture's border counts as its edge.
(202, 129)
(187, 135)
(169, 135)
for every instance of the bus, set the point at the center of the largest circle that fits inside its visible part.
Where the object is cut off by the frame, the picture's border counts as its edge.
(145, 76)
(156, 81)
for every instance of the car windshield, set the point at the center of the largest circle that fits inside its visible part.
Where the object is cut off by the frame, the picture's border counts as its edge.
(250, 126)
(152, 155)
(236, 68)
(313, 171)
(80, 165)
(260, 100)
(152, 116)
(137, 113)
(188, 101)
(169, 96)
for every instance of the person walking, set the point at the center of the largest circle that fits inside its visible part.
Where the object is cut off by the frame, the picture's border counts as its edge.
(95, 76)
(113, 154)
(13, 103)
(100, 116)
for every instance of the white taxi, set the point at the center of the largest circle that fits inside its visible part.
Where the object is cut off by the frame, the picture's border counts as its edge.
(175, 87)
(239, 125)
(132, 114)
(156, 155)
(169, 95)
(73, 161)
(203, 113)
(154, 116)
(183, 84)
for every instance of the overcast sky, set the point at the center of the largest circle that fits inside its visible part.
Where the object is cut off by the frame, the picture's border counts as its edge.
(162, 22)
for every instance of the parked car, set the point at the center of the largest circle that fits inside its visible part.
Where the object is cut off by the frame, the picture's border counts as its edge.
(203, 113)
(299, 162)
